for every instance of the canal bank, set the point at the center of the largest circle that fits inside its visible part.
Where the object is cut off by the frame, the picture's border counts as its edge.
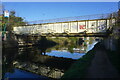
(84, 66)
(51, 61)
(78, 69)
(100, 62)
(8, 41)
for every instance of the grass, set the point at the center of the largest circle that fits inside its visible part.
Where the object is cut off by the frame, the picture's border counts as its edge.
(78, 69)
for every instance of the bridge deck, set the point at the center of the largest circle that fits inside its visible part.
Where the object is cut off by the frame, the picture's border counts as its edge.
(68, 35)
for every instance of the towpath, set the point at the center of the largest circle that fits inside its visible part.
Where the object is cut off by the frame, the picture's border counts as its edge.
(101, 67)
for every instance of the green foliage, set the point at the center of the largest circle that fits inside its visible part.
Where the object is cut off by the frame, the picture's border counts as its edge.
(78, 69)
(70, 43)
(0, 23)
(12, 21)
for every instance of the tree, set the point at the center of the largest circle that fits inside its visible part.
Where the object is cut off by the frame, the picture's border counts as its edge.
(12, 21)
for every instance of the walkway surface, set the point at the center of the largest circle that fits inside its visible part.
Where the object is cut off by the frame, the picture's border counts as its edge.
(101, 67)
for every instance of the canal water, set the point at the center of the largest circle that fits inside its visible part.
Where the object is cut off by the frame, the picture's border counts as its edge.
(49, 59)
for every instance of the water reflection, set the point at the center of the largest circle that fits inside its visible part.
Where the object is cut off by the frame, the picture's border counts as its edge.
(65, 54)
(50, 57)
(24, 75)
(43, 44)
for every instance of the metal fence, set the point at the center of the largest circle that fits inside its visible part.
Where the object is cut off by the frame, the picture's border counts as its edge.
(76, 18)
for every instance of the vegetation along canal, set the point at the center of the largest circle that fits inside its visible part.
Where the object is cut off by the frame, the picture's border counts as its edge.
(49, 59)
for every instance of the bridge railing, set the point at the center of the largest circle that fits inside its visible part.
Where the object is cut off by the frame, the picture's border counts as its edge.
(100, 23)
(76, 18)
(104, 24)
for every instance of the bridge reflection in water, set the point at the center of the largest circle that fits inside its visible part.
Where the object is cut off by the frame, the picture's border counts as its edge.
(45, 60)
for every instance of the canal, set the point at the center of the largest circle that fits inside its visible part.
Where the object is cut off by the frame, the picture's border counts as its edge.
(49, 59)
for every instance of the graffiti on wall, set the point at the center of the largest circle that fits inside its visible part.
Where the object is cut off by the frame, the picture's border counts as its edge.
(81, 26)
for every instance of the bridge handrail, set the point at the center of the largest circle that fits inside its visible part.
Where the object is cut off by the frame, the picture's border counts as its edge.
(76, 18)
